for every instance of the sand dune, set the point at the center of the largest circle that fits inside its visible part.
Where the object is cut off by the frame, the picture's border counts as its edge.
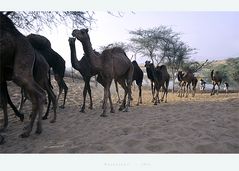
(204, 124)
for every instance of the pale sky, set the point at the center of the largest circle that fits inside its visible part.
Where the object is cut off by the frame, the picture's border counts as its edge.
(215, 35)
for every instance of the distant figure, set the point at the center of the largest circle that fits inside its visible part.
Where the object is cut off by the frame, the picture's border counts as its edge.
(226, 86)
(202, 85)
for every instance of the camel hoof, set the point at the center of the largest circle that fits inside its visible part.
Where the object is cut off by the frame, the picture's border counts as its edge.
(38, 131)
(21, 118)
(103, 115)
(44, 118)
(90, 107)
(82, 110)
(25, 135)
(2, 140)
(112, 111)
(126, 110)
(121, 108)
(137, 104)
(26, 127)
(53, 121)
(62, 107)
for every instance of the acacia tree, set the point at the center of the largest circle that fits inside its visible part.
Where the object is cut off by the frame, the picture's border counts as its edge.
(146, 42)
(36, 20)
(175, 53)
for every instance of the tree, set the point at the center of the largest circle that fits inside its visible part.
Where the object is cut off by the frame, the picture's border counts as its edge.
(175, 53)
(36, 20)
(146, 42)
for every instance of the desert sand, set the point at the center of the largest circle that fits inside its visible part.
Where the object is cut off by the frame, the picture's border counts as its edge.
(200, 124)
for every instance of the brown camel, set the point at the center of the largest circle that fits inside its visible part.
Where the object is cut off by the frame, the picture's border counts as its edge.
(162, 80)
(112, 64)
(216, 80)
(16, 64)
(84, 67)
(138, 77)
(185, 80)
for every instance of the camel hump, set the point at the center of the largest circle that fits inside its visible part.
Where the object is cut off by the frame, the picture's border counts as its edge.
(163, 67)
(39, 41)
(118, 50)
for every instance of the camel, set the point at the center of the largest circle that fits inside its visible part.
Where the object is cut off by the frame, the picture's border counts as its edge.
(185, 80)
(138, 77)
(150, 70)
(216, 80)
(54, 60)
(84, 67)
(162, 80)
(16, 64)
(112, 64)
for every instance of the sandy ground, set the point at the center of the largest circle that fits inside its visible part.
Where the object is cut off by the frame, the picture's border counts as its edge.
(203, 124)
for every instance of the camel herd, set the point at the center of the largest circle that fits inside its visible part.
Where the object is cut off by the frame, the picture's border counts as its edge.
(27, 60)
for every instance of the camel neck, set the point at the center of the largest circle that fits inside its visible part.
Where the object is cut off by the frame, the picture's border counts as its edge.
(93, 58)
(74, 59)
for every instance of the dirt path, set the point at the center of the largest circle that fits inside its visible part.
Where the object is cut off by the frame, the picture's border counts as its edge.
(204, 124)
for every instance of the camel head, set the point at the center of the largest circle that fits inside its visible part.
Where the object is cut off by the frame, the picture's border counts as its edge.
(71, 40)
(81, 34)
(147, 63)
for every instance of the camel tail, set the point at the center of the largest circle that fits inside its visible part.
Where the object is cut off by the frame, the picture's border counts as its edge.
(212, 74)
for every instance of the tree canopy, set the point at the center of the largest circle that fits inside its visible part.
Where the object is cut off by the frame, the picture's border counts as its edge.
(36, 20)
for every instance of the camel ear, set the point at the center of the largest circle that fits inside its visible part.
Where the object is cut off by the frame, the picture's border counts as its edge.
(87, 30)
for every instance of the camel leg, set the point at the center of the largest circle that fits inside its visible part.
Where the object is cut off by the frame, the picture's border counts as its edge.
(111, 104)
(84, 96)
(106, 96)
(153, 90)
(117, 91)
(52, 98)
(123, 85)
(165, 94)
(129, 83)
(23, 99)
(89, 92)
(213, 89)
(156, 97)
(48, 108)
(60, 89)
(140, 95)
(64, 86)
(37, 96)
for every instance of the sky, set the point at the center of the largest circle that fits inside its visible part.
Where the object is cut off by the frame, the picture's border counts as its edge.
(215, 35)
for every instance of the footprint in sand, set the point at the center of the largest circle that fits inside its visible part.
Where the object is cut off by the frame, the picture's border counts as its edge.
(132, 142)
